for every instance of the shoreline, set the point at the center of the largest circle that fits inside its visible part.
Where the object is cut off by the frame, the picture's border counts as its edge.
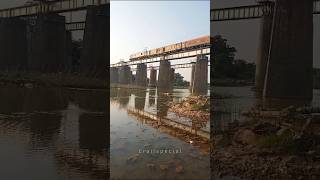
(31, 80)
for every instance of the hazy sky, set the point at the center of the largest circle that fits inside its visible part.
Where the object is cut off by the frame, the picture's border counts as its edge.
(137, 25)
(244, 34)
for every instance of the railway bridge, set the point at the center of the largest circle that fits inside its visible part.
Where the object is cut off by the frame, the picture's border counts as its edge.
(285, 55)
(199, 48)
(36, 37)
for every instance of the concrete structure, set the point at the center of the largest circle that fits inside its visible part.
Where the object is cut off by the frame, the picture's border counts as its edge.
(171, 79)
(192, 76)
(200, 77)
(69, 47)
(153, 78)
(164, 76)
(114, 75)
(141, 75)
(125, 75)
(13, 44)
(289, 69)
(140, 99)
(96, 42)
(47, 51)
(263, 49)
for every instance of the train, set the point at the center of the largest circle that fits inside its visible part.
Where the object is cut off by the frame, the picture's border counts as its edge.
(204, 40)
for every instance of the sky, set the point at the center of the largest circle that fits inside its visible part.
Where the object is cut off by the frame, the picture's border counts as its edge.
(139, 25)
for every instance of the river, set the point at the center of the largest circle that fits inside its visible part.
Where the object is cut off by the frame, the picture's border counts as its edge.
(240, 99)
(53, 133)
(132, 137)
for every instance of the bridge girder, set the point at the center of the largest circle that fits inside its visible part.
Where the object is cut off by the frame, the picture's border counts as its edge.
(249, 12)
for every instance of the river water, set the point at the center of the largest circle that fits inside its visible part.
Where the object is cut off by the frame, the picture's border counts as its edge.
(240, 99)
(131, 136)
(53, 134)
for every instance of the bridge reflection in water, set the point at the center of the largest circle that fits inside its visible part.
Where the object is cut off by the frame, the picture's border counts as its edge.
(141, 120)
(53, 132)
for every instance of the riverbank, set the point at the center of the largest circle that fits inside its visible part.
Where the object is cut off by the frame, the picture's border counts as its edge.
(232, 82)
(30, 80)
(193, 107)
(270, 145)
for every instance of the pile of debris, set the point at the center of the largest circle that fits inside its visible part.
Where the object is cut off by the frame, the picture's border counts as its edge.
(193, 107)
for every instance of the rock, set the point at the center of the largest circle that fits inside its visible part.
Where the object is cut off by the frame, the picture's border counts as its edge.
(179, 169)
(133, 158)
(163, 167)
(282, 131)
(245, 137)
(265, 129)
(151, 166)
(28, 85)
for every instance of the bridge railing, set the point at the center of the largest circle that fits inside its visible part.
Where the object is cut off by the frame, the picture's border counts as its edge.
(174, 66)
(75, 26)
(249, 12)
(241, 12)
(50, 7)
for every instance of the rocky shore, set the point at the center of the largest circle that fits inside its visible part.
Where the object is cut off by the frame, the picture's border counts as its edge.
(193, 107)
(270, 145)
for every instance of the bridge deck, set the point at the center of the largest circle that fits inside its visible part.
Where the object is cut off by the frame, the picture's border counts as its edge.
(50, 7)
(248, 12)
(176, 56)
(174, 66)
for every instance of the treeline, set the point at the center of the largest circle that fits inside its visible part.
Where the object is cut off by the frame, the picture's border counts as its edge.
(179, 81)
(224, 63)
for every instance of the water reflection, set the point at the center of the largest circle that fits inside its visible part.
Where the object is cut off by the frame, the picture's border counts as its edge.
(152, 98)
(162, 104)
(93, 130)
(131, 131)
(140, 99)
(232, 101)
(52, 132)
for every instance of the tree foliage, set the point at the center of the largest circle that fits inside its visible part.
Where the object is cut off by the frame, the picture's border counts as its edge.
(224, 63)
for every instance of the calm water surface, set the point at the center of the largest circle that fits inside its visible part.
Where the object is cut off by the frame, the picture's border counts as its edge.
(131, 133)
(238, 99)
(53, 134)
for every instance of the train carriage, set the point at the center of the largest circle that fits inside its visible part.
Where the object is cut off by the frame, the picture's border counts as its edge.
(173, 47)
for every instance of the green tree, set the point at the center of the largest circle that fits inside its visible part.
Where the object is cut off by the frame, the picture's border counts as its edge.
(224, 63)
(223, 57)
(178, 80)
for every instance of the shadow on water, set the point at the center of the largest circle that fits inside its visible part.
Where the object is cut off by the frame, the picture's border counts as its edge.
(52, 132)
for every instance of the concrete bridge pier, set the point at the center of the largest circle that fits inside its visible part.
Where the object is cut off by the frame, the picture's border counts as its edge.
(141, 75)
(192, 76)
(114, 75)
(125, 75)
(171, 81)
(200, 78)
(95, 42)
(47, 52)
(263, 50)
(164, 75)
(13, 44)
(153, 78)
(290, 63)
